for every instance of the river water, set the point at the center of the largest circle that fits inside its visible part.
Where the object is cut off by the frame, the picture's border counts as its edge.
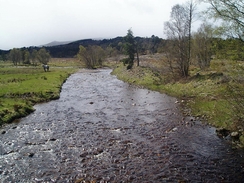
(104, 130)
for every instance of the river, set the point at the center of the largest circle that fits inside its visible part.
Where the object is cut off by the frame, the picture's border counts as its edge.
(104, 130)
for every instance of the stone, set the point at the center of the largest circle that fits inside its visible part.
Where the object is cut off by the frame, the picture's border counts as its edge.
(52, 139)
(98, 151)
(222, 132)
(84, 154)
(174, 129)
(31, 155)
(235, 135)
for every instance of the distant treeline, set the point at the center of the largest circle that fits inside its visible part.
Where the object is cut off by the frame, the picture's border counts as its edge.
(221, 48)
(145, 45)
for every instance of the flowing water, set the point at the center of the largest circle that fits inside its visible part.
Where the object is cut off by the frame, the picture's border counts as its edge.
(104, 130)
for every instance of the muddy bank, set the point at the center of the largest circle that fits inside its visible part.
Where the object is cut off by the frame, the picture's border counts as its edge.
(104, 130)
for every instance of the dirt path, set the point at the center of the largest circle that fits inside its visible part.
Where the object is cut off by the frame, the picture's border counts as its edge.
(104, 130)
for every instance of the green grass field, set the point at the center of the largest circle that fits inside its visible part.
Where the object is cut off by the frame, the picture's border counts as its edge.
(23, 86)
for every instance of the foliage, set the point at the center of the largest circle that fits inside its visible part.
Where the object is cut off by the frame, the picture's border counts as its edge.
(231, 12)
(3, 55)
(43, 56)
(15, 56)
(202, 42)
(34, 57)
(231, 49)
(18, 55)
(148, 45)
(130, 48)
(26, 57)
(155, 41)
(92, 56)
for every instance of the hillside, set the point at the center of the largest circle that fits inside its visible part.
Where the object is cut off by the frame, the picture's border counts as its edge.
(56, 43)
(71, 49)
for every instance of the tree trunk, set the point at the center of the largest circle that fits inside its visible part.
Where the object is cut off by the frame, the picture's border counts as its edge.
(137, 55)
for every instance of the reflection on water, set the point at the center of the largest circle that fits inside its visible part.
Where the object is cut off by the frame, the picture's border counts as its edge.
(104, 130)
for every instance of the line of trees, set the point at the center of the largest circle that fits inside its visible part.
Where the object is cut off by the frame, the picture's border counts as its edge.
(110, 48)
(18, 56)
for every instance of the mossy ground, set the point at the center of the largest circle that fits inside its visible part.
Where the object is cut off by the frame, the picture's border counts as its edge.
(215, 94)
(23, 86)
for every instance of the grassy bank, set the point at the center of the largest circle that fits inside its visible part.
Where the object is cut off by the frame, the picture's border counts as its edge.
(24, 86)
(216, 94)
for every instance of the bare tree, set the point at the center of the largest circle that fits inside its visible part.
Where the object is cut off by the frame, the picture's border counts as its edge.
(202, 45)
(15, 56)
(190, 8)
(178, 30)
(26, 57)
(92, 56)
(34, 57)
(170, 52)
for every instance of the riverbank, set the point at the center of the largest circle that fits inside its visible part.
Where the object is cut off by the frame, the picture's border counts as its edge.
(24, 86)
(104, 130)
(214, 95)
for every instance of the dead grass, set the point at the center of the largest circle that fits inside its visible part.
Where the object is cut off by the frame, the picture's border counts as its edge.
(65, 62)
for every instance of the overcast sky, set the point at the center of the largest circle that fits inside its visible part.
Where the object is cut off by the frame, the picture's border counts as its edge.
(37, 22)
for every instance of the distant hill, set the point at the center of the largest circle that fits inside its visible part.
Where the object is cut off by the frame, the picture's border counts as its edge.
(56, 43)
(72, 48)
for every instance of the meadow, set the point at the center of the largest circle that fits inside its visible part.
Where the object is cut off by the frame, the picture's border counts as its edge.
(23, 86)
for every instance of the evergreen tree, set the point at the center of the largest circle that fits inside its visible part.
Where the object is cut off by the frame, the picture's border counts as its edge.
(130, 49)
